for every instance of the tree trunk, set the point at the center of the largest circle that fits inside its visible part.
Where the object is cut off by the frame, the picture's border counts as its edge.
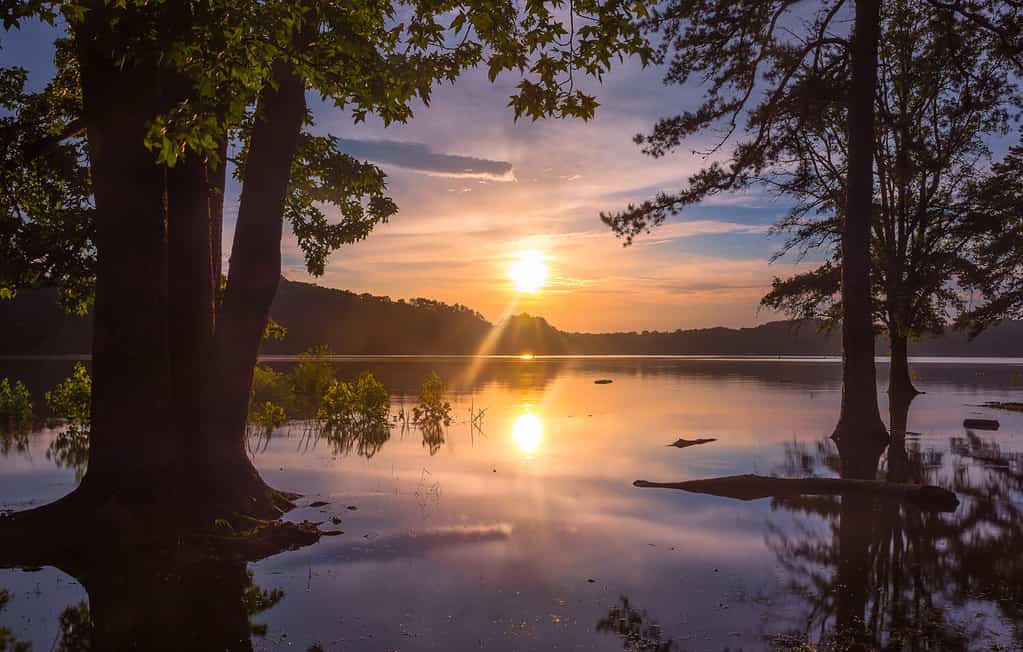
(130, 449)
(191, 296)
(856, 527)
(900, 385)
(859, 425)
(255, 270)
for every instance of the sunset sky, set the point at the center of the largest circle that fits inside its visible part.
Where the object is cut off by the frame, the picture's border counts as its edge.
(535, 187)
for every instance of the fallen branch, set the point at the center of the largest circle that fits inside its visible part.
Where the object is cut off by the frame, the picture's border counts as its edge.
(752, 487)
(686, 443)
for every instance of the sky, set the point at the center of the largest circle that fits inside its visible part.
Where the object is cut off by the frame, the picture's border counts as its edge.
(476, 189)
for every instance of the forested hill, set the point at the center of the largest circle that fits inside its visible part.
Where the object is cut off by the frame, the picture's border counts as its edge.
(34, 324)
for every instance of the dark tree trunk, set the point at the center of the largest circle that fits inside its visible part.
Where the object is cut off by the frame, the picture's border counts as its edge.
(255, 270)
(900, 385)
(191, 299)
(856, 529)
(130, 449)
(149, 605)
(899, 466)
(860, 424)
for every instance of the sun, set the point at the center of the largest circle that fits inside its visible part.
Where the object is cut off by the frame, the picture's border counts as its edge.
(527, 432)
(528, 272)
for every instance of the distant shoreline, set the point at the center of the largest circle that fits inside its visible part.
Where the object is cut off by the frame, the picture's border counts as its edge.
(831, 359)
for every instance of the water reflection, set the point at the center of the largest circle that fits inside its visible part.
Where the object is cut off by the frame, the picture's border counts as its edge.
(883, 575)
(456, 544)
(159, 602)
(527, 432)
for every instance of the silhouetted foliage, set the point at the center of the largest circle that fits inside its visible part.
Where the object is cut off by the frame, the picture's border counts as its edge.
(940, 97)
(995, 205)
(46, 208)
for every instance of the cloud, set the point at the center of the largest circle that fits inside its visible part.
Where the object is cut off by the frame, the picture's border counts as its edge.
(422, 158)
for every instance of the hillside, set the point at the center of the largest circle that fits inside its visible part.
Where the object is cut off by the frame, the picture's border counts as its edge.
(349, 323)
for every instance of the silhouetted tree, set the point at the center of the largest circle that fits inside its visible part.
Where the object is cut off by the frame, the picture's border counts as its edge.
(161, 89)
(995, 206)
(939, 95)
(769, 63)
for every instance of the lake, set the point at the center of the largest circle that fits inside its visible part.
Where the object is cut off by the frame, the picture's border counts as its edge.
(522, 530)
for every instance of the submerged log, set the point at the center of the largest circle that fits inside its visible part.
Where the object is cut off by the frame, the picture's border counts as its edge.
(981, 424)
(752, 487)
(686, 443)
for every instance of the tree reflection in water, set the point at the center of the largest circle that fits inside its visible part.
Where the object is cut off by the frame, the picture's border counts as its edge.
(161, 602)
(883, 575)
(637, 631)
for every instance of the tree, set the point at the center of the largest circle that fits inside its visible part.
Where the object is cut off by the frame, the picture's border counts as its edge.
(765, 62)
(164, 88)
(939, 98)
(994, 203)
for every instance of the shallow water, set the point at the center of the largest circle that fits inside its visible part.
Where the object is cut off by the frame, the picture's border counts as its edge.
(527, 534)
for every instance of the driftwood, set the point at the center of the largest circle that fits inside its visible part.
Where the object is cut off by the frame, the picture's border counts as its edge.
(752, 487)
(981, 424)
(686, 443)
(1012, 407)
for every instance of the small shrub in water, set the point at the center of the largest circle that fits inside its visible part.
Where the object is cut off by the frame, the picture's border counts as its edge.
(311, 378)
(266, 416)
(362, 401)
(15, 406)
(355, 415)
(70, 401)
(432, 408)
(273, 387)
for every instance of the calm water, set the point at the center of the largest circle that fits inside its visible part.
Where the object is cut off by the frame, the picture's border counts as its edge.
(526, 534)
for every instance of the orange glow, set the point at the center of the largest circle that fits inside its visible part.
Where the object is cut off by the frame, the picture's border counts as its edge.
(528, 272)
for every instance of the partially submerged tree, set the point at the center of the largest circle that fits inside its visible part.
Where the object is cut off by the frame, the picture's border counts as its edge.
(940, 97)
(164, 88)
(765, 63)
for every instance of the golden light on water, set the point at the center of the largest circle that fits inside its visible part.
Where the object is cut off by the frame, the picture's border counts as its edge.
(528, 272)
(527, 432)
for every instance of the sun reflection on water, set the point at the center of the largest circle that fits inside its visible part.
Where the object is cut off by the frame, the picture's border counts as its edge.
(527, 432)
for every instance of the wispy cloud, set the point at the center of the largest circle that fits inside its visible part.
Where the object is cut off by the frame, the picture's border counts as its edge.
(422, 158)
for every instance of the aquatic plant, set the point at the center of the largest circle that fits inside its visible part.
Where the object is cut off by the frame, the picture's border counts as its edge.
(432, 414)
(71, 401)
(361, 402)
(15, 406)
(271, 386)
(311, 378)
(356, 415)
(432, 408)
(267, 416)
